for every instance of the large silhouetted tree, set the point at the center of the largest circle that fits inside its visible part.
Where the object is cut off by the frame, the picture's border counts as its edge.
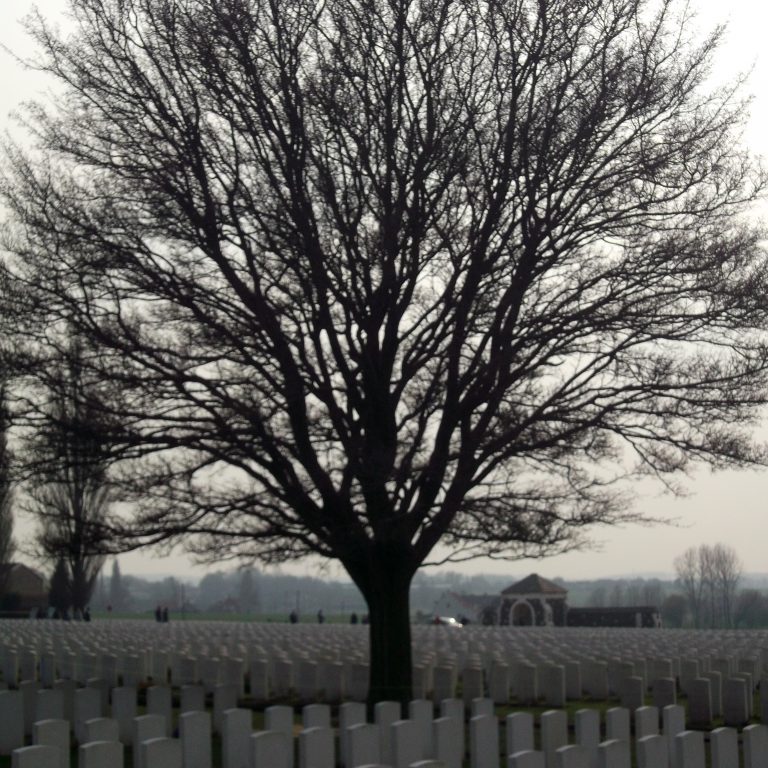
(393, 281)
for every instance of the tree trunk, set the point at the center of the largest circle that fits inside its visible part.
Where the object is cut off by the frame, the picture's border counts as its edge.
(388, 597)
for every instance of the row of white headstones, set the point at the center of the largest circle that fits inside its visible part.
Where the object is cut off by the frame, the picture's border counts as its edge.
(717, 671)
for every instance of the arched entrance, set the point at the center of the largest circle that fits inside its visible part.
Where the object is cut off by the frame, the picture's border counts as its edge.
(522, 614)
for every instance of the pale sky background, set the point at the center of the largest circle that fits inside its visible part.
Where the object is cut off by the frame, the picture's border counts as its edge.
(728, 507)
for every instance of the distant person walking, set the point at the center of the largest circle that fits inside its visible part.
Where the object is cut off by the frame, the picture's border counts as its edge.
(158, 614)
(320, 616)
(293, 617)
(353, 618)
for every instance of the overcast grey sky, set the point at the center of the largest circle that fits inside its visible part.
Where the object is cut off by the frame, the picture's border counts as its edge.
(729, 507)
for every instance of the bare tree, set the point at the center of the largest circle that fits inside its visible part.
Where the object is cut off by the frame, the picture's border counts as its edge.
(392, 283)
(691, 583)
(7, 543)
(727, 570)
(709, 577)
(69, 493)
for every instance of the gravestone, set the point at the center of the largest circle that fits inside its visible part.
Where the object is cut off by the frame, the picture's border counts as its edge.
(53, 733)
(384, 714)
(87, 706)
(145, 727)
(663, 692)
(587, 732)
(100, 729)
(613, 753)
(159, 703)
(11, 721)
(37, 756)
(161, 752)
(526, 759)
(755, 740)
(689, 748)
(363, 745)
(484, 741)
(100, 754)
(195, 736)
(617, 724)
(316, 716)
(406, 743)
(652, 752)
(124, 711)
(519, 732)
(316, 748)
(448, 740)
(422, 712)
(572, 756)
(350, 713)
(236, 730)
(724, 748)
(735, 705)
(554, 733)
(699, 703)
(192, 698)
(49, 705)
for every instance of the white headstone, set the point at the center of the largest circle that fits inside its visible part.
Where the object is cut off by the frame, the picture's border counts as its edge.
(100, 754)
(364, 745)
(384, 714)
(316, 748)
(755, 740)
(526, 759)
(161, 752)
(87, 706)
(646, 722)
(145, 727)
(472, 683)
(406, 743)
(53, 733)
(124, 710)
(192, 698)
(613, 754)
(279, 718)
(100, 729)
(350, 713)
(617, 724)
(11, 721)
(316, 716)
(258, 675)
(236, 730)
(49, 705)
(159, 703)
(519, 726)
(572, 756)
(554, 732)
(484, 741)
(689, 749)
(195, 737)
(724, 748)
(37, 756)
(224, 698)
(422, 712)
(735, 705)
(652, 752)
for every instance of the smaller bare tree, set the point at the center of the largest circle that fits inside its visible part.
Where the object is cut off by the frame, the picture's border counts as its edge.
(691, 584)
(69, 493)
(727, 570)
(709, 578)
(7, 543)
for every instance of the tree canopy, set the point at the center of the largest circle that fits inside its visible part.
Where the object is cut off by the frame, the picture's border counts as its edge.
(370, 276)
